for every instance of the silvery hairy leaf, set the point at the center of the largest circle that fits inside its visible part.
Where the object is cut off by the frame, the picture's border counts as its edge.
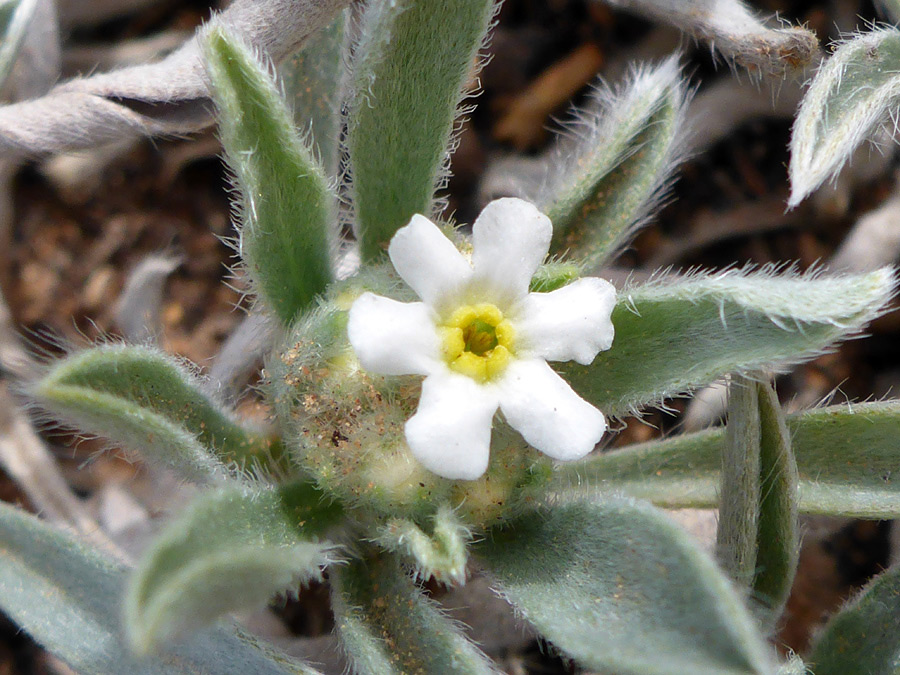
(143, 400)
(234, 548)
(854, 93)
(388, 626)
(67, 597)
(676, 334)
(287, 204)
(846, 456)
(620, 588)
(411, 67)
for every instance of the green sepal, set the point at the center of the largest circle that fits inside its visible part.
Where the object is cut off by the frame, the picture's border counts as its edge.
(739, 505)
(757, 536)
(441, 554)
(626, 146)
(67, 597)
(389, 627)
(846, 458)
(140, 398)
(286, 202)
(778, 535)
(413, 60)
(619, 587)
(673, 335)
(865, 636)
(234, 548)
(553, 275)
(312, 79)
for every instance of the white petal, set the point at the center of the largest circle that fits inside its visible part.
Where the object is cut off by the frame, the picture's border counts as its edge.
(542, 407)
(393, 338)
(451, 431)
(511, 239)
(427, 260)
(569, 324)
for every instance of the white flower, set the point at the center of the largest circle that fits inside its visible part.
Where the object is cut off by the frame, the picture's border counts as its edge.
(483, 341)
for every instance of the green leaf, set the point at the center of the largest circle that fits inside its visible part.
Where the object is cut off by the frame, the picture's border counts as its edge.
(852, 95)
(673, 335)
(865, 636)
(609, 171)
(846, 458)
(140, 398)
(15, 19)
(757, 539)
(778, 537)
(389, 627)
(736, 535)
(412, 63)
(234, 548)
(620, 588)
(286, 203)
(67, 597)
(312, 80)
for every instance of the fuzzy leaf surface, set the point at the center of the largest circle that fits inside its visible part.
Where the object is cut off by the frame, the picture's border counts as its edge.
(608, 172)
(865, 636)
(412, 63)
(757, 537)
(142, 399)
(286, 202)
(852, 95)
(846, 456)
(312, 79)
(740, 491)
(389, 627)
(621, 589)
(778, 536)
(68, 597)
(234, 548)
(673, 335)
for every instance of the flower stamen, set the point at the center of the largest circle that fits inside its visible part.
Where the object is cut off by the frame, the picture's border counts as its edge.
(477, 341)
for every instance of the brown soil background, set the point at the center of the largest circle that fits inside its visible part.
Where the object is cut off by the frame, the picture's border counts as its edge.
(69, 253)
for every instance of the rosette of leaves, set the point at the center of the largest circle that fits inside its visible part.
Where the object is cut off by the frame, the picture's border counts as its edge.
(581, 551)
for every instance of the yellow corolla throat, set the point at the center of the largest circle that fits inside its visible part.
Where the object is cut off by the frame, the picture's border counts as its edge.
(477, 341)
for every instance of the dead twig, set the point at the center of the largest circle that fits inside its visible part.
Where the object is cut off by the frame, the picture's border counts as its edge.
(732, 30)
(166, 98)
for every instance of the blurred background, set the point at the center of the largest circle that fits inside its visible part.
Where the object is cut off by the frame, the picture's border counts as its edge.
(128, 241)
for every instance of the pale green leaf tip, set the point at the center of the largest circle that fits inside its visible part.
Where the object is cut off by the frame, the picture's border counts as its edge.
(883, 290)
(851, 96)
(214, 42)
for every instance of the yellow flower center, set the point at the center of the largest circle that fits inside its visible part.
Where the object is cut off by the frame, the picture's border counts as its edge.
(477, 341)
